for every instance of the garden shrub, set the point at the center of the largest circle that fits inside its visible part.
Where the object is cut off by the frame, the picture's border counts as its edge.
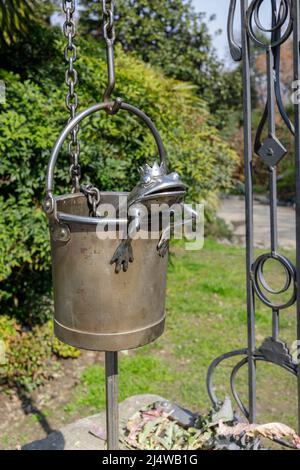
(63, 350)
(30, 354)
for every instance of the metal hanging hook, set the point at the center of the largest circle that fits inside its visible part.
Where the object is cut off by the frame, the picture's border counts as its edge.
(109, 35)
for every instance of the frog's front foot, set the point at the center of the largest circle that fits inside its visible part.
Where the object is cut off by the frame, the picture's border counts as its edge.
(162, 248)
(123, 256)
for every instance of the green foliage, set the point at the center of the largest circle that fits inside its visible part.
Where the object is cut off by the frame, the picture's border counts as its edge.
(112, 150)
(17, 18)
(171, 35)
(218, 229)
(64, 350)
(7, 329)
(30, 354)
(27, 358)
(14, 17)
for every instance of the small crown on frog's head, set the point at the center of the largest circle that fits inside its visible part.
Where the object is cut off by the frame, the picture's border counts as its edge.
(148, 172)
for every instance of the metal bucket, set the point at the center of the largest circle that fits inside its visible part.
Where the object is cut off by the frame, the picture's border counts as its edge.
(95, 308)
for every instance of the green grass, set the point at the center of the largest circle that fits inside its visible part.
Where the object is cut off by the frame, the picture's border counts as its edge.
(206, 317)
(138, 375)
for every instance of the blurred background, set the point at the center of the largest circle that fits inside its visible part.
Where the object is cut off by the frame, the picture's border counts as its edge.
(172, 61)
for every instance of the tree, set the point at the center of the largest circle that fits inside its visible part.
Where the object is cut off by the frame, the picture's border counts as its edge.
(169, 34)
(16, 17)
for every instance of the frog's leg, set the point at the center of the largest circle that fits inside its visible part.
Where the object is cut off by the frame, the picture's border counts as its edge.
(124, 253)
(163, 244)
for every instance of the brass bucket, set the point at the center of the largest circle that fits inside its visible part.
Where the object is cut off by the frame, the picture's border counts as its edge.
(95, 308)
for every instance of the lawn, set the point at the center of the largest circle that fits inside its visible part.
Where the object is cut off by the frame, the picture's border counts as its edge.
(206, 316)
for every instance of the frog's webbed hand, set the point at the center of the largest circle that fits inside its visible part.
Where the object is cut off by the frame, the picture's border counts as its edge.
(123, 256)
(124, 253)
(163, 244)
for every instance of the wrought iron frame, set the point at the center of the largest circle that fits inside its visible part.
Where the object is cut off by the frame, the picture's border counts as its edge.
(285, 24)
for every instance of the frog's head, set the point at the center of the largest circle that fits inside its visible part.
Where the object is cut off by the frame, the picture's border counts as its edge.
(157, 186)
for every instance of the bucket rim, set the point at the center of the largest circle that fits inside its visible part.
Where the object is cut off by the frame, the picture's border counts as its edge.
(67, 196)
(67, 218)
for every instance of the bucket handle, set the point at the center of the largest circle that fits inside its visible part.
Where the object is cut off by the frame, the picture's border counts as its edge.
(49, 204)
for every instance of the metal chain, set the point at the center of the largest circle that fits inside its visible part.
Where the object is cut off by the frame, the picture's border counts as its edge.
(71, 79)
(91, 192)
(108, 22)
(93, 196)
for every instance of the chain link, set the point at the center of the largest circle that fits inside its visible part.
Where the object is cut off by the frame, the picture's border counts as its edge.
(108, 21)
(71, 79)
(93, 196)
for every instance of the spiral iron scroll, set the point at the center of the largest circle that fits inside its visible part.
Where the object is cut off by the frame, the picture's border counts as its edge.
(271, 150)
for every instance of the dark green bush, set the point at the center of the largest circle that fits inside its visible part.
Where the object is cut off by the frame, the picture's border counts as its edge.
(30, 355)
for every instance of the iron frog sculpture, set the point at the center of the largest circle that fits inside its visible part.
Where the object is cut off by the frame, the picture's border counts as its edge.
(155, 189)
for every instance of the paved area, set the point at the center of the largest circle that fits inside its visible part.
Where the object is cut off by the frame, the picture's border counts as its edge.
(77, 436)
(232, 210)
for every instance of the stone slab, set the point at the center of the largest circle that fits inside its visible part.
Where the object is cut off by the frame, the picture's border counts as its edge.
(77, 436)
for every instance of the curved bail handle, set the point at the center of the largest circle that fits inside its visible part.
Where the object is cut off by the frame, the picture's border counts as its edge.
(49, 205)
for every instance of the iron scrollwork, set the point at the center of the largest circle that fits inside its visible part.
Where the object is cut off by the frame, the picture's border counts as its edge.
(285, 22)
(235, 48)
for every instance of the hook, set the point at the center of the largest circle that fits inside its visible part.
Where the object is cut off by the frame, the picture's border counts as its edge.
(113, 108)
(111, 72)
(235, 49)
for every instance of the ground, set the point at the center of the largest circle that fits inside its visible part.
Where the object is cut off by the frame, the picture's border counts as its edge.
(84, 433)
(206, 317)
(232, 210)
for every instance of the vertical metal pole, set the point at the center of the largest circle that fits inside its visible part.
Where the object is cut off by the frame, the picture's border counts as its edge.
(249, 213)
(296, 20)
(275, 324)
(112, 406)
(272, 131)
(273, 209)
(273, 172)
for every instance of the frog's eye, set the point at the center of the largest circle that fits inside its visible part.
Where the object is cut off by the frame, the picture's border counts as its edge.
(175, 176)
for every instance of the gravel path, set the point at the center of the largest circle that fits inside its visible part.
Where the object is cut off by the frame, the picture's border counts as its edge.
(232, 210)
